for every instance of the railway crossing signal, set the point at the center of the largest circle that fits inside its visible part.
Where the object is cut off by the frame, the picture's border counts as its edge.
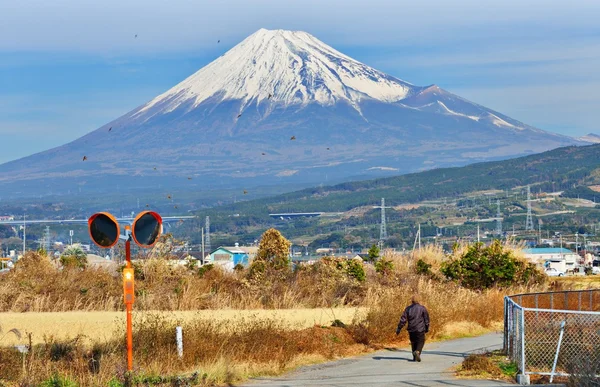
(105, 232)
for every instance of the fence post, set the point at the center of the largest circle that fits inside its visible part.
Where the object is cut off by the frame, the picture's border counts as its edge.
(591, 299)
(551, 300)
(562, 330)
(579, 307)
(522, 378)
(505, 336)
(179, 340)
(522, 340)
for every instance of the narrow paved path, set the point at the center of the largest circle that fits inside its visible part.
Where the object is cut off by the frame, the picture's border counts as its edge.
(394, 367)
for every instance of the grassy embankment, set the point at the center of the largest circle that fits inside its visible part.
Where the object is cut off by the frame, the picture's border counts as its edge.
(224, 348)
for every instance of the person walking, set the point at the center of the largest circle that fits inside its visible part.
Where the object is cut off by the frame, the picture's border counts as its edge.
(417, 317)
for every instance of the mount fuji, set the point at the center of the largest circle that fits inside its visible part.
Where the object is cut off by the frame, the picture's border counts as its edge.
(279, 107)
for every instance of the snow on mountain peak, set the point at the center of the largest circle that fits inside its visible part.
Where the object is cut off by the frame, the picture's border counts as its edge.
(285, 67)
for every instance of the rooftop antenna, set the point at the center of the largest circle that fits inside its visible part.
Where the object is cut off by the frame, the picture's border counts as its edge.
(207, 234)
(529, 221)
(382, 227)
(498, 219)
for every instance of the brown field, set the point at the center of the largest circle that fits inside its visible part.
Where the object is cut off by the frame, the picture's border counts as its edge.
(103, 326)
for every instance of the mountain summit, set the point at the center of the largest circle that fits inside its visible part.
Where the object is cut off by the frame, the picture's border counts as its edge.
(283, 67)
(279, 107)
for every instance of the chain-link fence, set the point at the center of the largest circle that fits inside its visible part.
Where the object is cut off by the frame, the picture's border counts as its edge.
(554, 333)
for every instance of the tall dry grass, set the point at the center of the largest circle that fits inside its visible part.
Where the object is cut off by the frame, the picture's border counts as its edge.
(247, 348)
(37, 285)
(215, 355)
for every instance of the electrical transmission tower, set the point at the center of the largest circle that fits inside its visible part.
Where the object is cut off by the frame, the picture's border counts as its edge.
(47, 239)
(529, 221)
(382, 227)
(498, 219)
(207, 235)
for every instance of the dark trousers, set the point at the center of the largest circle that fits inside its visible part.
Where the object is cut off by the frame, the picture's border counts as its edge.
(417, 341)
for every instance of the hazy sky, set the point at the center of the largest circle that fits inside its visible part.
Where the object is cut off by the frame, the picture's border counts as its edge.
(69, 66)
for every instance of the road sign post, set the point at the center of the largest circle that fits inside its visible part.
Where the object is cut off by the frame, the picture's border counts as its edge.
(128, 298)
(105, 232)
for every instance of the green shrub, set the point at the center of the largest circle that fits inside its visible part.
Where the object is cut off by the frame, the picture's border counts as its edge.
(384, 266)
(423, 268)
(373, 253)
(74, 256)
(57, 380)
(73, 261)
(354, 268)
(257, 270)
(482, 267)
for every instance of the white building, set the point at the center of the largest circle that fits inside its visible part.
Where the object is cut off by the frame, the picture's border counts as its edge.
(559, 258)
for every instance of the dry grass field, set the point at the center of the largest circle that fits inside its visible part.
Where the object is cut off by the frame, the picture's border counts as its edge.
(104, 326)
(236, 325)
(579, 282)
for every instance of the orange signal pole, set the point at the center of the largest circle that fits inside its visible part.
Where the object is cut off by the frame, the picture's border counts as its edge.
(129, 307)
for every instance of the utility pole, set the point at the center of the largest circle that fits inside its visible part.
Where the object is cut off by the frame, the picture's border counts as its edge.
(477, 233)
(561, 249)
(418, 239)
(71, 235)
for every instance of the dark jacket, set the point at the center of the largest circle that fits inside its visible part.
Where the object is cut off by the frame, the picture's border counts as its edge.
(417, 317)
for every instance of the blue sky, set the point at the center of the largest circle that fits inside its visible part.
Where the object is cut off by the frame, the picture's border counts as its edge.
(68, 67)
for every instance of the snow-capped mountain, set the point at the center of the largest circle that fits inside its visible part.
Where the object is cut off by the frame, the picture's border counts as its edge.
(288, 67)
(281, 106)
